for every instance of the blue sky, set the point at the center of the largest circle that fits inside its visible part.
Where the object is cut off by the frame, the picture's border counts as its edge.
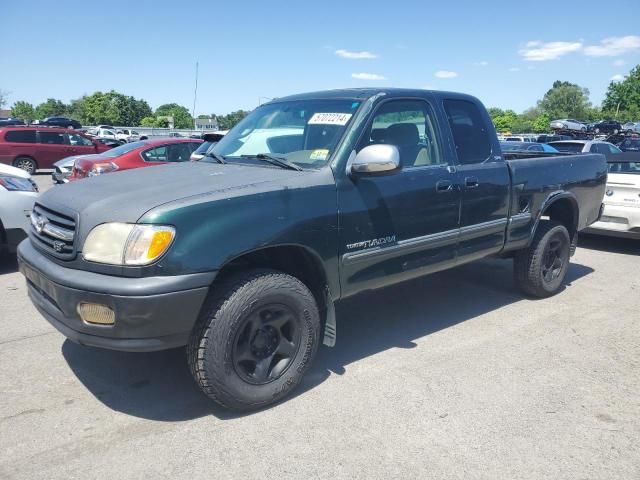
(506, 53)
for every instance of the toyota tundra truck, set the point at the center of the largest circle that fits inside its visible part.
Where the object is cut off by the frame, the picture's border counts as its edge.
(242, 256)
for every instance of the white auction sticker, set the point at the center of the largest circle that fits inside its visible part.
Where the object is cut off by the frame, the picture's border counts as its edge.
(329, 119)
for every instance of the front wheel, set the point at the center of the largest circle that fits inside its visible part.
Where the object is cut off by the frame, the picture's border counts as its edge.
(256, 337)
(540, 270)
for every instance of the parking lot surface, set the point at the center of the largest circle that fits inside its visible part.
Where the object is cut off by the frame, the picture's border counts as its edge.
(455, 375)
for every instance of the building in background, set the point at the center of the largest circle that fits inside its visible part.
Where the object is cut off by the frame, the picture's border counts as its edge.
(207, 123)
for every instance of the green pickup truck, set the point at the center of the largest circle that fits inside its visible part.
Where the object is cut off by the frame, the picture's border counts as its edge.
(242, 256)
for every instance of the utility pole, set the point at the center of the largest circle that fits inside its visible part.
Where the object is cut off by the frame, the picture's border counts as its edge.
(195, 95)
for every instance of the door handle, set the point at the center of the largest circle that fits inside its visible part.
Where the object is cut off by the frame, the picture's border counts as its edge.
(471, 182)
(444, 186)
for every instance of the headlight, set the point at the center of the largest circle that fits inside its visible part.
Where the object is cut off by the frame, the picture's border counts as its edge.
(18, 184)
(127, 243)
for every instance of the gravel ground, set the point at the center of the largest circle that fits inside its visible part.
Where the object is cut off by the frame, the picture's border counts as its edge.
(452, 376)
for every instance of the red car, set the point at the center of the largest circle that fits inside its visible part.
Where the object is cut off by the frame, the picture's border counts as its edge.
(144, 153)
(33, 147)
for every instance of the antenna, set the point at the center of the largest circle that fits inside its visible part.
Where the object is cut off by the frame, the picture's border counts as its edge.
(195, 96)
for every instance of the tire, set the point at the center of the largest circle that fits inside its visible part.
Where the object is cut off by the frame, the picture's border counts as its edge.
(256, 336)
(27, 164)
(540, 270)
(583, 129)
(597, 130)
(615, 131)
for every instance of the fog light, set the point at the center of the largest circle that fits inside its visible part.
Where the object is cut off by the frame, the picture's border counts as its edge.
(96, 314)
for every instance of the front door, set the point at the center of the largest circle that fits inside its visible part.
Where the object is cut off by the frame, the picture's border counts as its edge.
(51, 147)
(402, 224)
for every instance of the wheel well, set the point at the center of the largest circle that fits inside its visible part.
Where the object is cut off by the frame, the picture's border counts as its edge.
(564, 211)
(293, 260)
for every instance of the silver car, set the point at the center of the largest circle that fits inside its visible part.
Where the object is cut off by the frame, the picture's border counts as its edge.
(585, 146)
(568, 124)
(632, 127)
(18, 192)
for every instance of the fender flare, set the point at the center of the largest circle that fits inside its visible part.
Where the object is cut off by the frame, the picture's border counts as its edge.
(552, 198)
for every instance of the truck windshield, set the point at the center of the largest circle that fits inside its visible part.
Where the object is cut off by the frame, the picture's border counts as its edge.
(303, 132)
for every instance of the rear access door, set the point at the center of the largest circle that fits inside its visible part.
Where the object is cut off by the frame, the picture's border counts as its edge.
(484, 180)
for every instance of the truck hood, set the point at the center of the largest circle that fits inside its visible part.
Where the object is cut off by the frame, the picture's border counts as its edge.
(126, 196)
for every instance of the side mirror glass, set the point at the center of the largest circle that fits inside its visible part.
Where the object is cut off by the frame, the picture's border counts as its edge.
(374, 159)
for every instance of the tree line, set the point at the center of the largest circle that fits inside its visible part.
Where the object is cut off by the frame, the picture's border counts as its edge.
(569, 100)
(114, 108)
(562, 100)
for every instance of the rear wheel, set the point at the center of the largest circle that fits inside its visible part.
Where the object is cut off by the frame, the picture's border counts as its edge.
(540, 270)
(26, 163)
(256, 337)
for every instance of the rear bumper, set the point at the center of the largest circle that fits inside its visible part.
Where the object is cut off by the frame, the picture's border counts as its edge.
(152, 313)
(617, 221)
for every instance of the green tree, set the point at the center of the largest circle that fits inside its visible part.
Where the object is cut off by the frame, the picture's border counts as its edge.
(624, 96)
(226, 122)
(51, 108)
(541, 123)
(23, 110)
(181, 116)
(110, 107)
(566, 100)
(3, 98)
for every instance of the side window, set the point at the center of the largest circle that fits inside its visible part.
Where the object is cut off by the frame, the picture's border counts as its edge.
(613, 149)
(410, 126)
(79, 140)
(157, 154)
(52, 138)
(469, 130)
(21, 136)
(595, 148)
(179, 152)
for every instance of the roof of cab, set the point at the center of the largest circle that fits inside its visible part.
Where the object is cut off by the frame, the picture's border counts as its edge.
(365, 93)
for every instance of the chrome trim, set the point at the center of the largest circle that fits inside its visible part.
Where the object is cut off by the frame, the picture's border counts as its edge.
(57, 232)
(416, 243)
(520, 219)
(432, 240)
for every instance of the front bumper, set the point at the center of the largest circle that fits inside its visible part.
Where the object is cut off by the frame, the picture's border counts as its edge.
(618, 221)
(152, 313)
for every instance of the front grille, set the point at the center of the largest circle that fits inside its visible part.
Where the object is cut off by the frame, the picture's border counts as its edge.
(53, 232)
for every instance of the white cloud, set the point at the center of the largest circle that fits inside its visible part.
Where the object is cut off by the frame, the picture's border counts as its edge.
(619, 63)
(617, 78)
(483, 63)
(541, 52)
(445, 74)
(367, 76)
(514, 69)
(614, 46)
(364, 55)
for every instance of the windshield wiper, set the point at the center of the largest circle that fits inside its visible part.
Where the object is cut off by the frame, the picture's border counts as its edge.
(216, 156)
(279, 161)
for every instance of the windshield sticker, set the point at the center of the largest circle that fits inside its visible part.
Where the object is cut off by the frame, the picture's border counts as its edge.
(320, 154)
(329, 119)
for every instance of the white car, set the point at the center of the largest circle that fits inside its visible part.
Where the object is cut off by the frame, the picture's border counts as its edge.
(631, 127)
(585, 146)
(127, 135)
(621, 215)
(17, 195)
(568, 124)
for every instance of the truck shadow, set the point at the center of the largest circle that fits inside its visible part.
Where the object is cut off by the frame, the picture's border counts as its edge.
(8, 263)
(602, 243)
(158, 385)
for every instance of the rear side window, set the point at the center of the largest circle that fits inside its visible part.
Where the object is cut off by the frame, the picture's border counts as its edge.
(469, 130)
(568, 147)
(21, 136)
(51, 138)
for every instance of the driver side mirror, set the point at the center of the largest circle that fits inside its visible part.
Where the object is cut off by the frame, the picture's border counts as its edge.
(376, 159)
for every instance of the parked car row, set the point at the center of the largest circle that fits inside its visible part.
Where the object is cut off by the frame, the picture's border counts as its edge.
(607, 127)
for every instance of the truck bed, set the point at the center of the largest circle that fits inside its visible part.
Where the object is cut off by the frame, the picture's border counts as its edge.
(537, 179)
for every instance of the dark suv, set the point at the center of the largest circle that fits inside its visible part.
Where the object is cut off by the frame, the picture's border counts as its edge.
(31, 148)
(610, 127)
(63, 122)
